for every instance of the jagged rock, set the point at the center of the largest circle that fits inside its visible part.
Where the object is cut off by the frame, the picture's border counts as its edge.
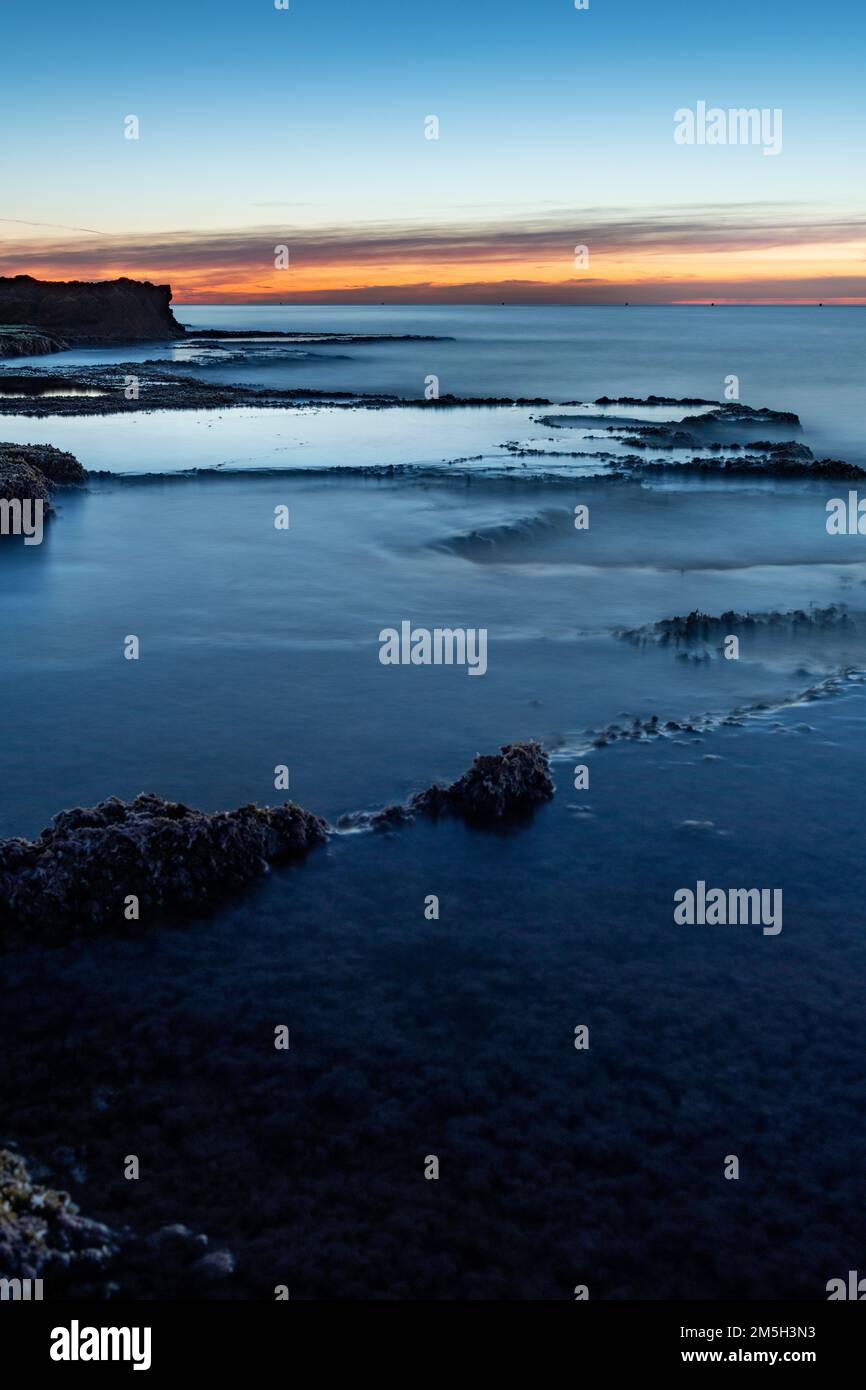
(56, 466)
(19, 480)
(176, 861)
(22, 340)
(122, 310)
(497, 785)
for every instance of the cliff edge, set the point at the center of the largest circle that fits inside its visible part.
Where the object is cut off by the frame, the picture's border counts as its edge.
(82, 311)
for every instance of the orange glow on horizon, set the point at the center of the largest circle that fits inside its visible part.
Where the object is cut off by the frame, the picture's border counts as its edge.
(666, 274)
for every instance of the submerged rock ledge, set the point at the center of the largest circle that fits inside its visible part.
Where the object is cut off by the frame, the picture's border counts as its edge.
(23, 340)
(80, 873)
(698, 627)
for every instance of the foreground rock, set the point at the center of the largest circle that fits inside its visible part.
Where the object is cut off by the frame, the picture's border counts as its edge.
(44, 1236)
(58, 468)
(31, 473)
(497, 787)
(20, 482)
(23, 340)
(80, 311)
(80, 872)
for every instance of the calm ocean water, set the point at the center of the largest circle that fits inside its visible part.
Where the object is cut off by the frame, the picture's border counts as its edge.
(260, 647)
(805, 359)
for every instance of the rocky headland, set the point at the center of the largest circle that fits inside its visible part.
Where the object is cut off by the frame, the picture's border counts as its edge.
(79, 311)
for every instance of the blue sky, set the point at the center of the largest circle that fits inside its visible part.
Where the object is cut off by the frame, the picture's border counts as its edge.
(311, 120)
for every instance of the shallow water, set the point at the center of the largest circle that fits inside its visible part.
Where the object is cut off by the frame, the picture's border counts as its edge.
(261, 647)
(797, 358)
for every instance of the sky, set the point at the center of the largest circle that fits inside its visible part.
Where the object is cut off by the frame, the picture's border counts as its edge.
(555, 177)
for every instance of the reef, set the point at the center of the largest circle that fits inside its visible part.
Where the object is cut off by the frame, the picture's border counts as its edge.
(102, 390)
(82, 871)
(697, 627)
(23, 340)
(782, 460)
(653, 400)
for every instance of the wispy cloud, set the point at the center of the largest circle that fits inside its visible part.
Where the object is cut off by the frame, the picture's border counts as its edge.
(57, 226)
(709, 251)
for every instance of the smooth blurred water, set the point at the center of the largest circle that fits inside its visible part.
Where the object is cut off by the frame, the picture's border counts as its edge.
(260, 647)
(807, 359)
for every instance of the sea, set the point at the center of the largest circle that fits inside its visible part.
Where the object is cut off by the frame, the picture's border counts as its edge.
(259, 647)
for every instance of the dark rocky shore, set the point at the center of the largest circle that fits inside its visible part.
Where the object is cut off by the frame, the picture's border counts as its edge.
(102, 390)
(89, 311)
(43, 1235)
(697, 627)
(23, 340)
(84, 870)
(32, 472)
(498, 787)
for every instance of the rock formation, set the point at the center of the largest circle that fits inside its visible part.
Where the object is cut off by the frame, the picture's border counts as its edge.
(80, 872)
(496, 788)
(84, 312)
(23, 340)
(44, 1236)
(31, 472)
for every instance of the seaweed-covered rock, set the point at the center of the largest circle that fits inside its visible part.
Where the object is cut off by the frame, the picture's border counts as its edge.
(22, 340)
(30, 473)
(496, 786)
(58, 467)
(44, 1236)
(20, 480)
(176, 861)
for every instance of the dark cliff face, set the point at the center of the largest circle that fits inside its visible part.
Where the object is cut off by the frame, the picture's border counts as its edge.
(81, 311)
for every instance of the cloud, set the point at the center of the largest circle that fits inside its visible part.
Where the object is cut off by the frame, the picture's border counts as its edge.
(660, 253)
